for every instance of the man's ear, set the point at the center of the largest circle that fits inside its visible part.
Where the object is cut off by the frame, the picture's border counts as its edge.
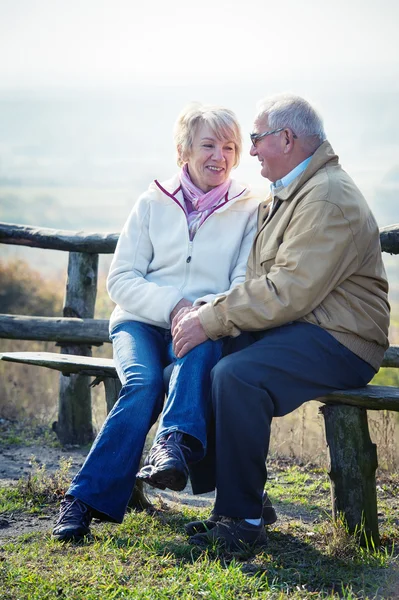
(288, 140)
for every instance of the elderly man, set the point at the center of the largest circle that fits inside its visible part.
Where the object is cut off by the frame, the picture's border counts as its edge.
(311, 317)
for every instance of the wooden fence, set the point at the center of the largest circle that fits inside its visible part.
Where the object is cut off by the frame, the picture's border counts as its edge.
(77, 331)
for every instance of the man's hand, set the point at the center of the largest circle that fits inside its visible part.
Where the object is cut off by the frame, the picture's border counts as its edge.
(183, 303)
(187, 332)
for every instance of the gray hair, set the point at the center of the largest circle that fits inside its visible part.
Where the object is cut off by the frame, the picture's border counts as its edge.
(222, 122)
(294, 112)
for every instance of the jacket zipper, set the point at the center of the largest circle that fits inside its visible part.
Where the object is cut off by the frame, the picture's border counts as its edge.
(188, 261)
(190, 243)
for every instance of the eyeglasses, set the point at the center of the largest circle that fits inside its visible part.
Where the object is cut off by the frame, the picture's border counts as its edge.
(255, 137)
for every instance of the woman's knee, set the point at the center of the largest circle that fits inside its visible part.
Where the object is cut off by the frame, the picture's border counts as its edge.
(207, 350)
(144, 380)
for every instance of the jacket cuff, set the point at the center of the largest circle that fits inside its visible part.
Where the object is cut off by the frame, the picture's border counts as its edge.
(212, 326)
(170, 302)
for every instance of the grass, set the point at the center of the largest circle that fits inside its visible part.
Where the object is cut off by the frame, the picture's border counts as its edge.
(26, 432)
(38, 491)
(148, 556)
(299, 486)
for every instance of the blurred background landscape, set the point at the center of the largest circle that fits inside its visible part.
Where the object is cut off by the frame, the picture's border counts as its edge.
(89, 93)
(78, 159)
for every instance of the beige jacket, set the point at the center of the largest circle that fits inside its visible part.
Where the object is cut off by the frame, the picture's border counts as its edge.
(315, 258)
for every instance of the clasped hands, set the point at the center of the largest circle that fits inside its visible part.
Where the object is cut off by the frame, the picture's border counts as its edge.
(186, 328)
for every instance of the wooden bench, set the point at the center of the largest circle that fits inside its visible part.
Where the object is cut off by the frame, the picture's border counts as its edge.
(102, 369)
(353, 457)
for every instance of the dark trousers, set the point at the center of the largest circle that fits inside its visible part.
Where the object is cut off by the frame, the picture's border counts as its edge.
(269, 374)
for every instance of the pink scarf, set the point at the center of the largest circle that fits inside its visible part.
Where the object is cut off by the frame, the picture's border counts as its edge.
(203, 203)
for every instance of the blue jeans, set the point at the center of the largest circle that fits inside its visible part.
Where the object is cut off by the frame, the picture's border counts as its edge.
(141, 352)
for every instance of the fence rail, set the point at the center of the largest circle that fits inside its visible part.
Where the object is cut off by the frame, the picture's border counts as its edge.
(89, 331)
(389, 237)
(105, 243)
(54, 329)
(57, 239)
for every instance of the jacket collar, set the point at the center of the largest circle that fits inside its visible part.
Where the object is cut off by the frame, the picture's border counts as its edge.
(172, 187)
(323, 155)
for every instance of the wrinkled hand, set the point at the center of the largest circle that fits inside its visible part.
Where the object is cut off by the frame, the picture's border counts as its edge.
(180, 315)
(187, 332)
(183, 303)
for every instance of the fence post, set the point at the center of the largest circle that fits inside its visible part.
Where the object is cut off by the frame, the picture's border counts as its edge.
(353, 462)
(74, 424)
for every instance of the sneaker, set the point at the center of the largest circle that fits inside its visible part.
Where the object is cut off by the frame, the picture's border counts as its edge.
(233, 535)
(268, 514)
(202, 526)
(73, 520)
(166, 463)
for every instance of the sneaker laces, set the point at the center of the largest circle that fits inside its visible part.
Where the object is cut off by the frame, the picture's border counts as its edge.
(167, 448)
(72, 509)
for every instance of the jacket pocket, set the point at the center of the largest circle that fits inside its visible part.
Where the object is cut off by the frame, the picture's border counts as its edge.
(321, 315)
(267, 258)
(268, 253)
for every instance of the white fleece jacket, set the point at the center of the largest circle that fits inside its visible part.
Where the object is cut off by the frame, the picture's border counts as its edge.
(155, 265)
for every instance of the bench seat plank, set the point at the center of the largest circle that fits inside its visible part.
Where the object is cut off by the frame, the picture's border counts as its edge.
(371, 397)
(66, 363)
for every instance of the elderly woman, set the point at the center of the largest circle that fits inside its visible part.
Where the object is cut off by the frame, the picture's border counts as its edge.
(186, 240)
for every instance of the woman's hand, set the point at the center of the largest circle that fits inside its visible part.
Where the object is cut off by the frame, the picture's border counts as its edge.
(183, 303)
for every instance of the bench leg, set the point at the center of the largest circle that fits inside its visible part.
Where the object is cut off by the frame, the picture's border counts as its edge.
(112, 387)
(74, 424)
(353, 462)
(74, 414)
(138, 499)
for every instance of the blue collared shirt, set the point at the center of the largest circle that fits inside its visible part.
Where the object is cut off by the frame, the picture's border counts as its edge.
(287, 179)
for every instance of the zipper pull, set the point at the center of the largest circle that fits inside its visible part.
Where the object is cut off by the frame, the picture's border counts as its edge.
(190, 247)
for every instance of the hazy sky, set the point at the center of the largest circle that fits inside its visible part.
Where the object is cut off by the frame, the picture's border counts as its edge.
(157, 55)
(119, 42)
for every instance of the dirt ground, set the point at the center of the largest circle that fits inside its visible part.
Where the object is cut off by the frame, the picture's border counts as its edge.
(16, 463)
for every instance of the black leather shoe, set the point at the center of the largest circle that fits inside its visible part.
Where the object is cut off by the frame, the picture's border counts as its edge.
(268, 514)
(233, 535)
(166, 463)
(73, 520)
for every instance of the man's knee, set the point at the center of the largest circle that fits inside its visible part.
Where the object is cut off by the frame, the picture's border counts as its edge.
(228, 377)
(235, 377)
(223, 370)
(235, 368)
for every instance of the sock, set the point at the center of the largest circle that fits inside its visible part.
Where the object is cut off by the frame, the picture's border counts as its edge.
(254, 521)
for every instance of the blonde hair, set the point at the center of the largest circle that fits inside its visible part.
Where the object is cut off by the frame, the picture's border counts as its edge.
(222, 122)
